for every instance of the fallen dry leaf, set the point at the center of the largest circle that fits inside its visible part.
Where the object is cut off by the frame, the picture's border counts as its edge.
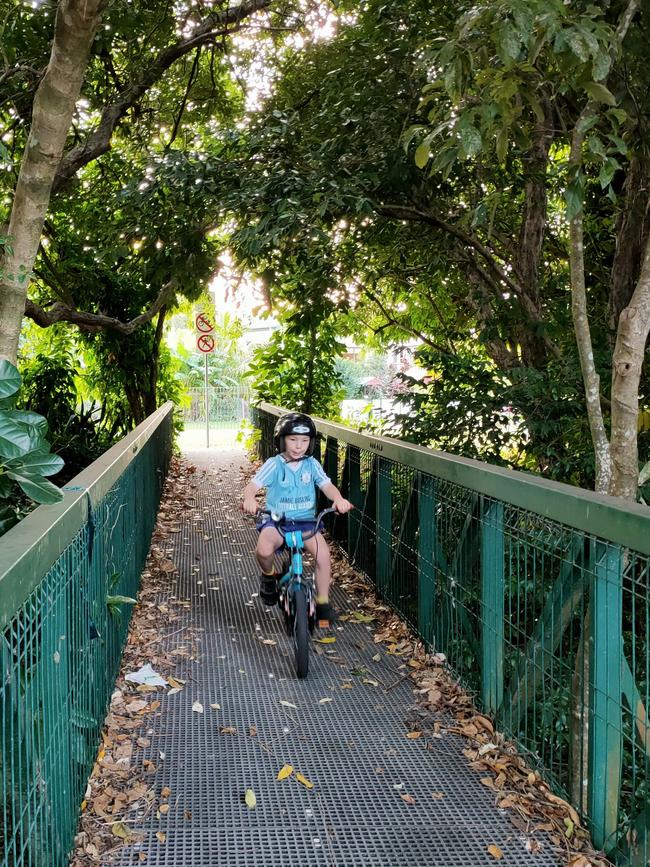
(197, 707)
(284, 772)
(304, 781)
(285, 703)
(413, 735)
(408, 799)
(119, 829)
(251, 800)
(495, 852)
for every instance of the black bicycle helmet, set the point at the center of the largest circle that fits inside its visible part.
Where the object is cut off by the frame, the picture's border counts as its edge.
(296, 423)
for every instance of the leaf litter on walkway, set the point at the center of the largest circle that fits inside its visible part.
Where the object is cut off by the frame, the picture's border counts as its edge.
(121, 790)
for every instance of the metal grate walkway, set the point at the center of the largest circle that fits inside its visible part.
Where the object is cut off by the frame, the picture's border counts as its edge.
(352, 748)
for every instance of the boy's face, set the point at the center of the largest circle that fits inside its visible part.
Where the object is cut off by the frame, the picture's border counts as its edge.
(296, 445)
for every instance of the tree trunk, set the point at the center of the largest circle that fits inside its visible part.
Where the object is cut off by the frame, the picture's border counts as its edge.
(309, 384)
(579, 313)
(54, 103)
(632, 334)
(528, 252)
(632, 231)
(136, 402)
(585, 351)
(151, 399)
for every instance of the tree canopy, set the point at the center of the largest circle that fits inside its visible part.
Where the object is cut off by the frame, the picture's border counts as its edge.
(467, 181)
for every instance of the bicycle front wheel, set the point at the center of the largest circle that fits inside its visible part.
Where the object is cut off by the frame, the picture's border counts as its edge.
(301, 632)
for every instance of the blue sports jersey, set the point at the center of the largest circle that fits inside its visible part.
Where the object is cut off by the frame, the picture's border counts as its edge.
(291, 491)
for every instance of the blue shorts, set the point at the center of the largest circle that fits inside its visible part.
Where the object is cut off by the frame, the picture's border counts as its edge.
(286, 525)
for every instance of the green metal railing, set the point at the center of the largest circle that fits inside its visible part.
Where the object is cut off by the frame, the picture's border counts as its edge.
(61, 642)
(537, 592)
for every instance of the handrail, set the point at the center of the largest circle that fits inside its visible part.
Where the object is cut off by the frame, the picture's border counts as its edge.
(29, 549)
(610, 518)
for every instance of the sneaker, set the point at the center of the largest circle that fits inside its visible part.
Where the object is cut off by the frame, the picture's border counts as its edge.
(269, 589)
(325, 614)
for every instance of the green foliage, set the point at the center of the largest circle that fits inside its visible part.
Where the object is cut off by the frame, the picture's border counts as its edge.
(249, 437)
(525, 418)
(297, 369)
(226, 366)
(115, 603)
(498, 67)
(52, 377)
(25, 456)
(375, 367)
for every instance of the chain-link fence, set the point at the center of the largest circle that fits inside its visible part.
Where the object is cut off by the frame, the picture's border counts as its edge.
(62, 571)
(537, 592)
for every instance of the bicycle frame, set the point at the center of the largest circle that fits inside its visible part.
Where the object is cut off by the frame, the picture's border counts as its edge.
(297, 596)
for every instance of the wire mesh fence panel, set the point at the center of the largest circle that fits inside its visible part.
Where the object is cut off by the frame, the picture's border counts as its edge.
(60, 647)
(537, 593)
(227, 406)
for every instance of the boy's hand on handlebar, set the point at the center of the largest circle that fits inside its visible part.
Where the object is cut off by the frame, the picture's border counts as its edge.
(342, 505)
(250, 506)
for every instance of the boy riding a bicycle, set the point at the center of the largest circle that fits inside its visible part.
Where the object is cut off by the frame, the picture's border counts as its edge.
(291, 478)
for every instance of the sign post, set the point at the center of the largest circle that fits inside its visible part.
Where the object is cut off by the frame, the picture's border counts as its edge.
(205, 344)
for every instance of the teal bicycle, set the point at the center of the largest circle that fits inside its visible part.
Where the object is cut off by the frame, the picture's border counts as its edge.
(296, 589)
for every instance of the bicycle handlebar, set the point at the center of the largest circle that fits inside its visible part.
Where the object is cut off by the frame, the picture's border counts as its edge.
(277, 520)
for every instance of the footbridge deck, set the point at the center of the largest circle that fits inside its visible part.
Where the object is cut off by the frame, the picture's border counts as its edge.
(377, 797)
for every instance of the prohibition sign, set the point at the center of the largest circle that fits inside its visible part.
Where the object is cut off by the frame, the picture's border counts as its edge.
(205, 343)
(203, 325)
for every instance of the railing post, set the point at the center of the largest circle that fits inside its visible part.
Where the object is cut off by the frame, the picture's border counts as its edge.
(426, 557)
(492, 604)
(331, 465)
(353, 461)
(605, 688)
(383, 526)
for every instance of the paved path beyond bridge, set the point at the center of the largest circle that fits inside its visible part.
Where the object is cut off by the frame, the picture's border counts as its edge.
(347, 737)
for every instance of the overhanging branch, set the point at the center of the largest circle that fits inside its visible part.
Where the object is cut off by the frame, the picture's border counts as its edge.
(60, 312)
(498, 273)
(410, 214)
(98, 142)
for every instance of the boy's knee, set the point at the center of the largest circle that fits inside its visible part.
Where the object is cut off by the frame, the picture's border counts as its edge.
(323, 554)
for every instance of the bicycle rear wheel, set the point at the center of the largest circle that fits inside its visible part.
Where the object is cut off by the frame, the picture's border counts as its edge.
(301, 632)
